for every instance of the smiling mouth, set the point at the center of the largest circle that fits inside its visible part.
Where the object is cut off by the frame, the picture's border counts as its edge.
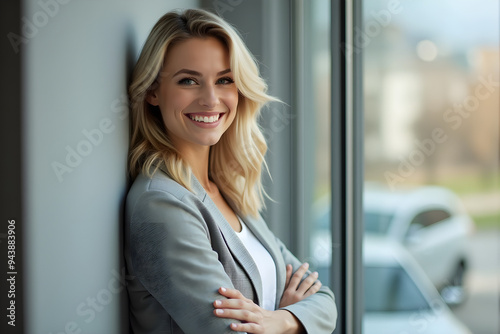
(205, 119)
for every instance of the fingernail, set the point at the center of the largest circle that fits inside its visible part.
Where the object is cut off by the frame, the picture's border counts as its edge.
(315, 273)
(223, 289)
(218, 302)
(219, 311)
(306, 265)
(233, 325)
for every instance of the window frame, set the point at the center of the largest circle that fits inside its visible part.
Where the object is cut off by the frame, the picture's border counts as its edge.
(347, 165)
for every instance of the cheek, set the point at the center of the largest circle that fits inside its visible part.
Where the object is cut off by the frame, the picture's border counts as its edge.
(231, 100)
(177, 100)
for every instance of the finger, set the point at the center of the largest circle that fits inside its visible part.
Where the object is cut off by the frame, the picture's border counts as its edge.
(297, 277)
(307, 283)
(289, 270)
(231, 293)
(313, 289)
(241, 315)
(248, 327)
(240, 304)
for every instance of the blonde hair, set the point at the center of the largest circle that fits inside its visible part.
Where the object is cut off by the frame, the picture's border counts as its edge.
(236, 161)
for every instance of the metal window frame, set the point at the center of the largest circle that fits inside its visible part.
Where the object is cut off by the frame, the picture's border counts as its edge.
(347, 166)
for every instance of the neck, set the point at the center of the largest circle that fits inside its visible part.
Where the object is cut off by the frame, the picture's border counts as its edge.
(197, 159)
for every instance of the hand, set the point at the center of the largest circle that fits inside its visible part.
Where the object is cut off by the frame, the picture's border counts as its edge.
(254, 318)
(295, 290)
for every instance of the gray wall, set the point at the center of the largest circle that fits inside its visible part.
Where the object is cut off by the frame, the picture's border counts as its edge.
(78, 54)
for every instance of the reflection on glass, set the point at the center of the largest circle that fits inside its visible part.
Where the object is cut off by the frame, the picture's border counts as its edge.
(316, 123)
(432, 100)
(390, 289)
(399, 298)
(377, 222)
(431, 222)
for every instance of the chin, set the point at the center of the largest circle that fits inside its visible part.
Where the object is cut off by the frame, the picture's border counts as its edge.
(210, 141)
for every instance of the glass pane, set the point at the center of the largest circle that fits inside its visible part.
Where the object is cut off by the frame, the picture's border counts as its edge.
(316, 92)
(431, 98)
(391, 289)
(376, 222)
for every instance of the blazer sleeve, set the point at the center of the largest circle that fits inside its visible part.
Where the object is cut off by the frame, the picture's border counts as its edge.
(171, 255)
(318, 312)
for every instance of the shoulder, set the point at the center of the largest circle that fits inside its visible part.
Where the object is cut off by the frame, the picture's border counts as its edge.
(151, 196)
(159, 182)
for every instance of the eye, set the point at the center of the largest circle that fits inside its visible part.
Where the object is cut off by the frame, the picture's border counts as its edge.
(224, 81)
(187, 82)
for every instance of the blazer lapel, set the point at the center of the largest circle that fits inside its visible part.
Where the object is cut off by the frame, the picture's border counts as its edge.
(261, 231)
(233, 242)
(267, 238)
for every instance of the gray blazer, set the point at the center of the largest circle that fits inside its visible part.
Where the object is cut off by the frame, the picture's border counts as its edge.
(179, 250)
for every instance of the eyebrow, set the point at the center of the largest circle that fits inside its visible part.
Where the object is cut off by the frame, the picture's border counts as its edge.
(198, 74)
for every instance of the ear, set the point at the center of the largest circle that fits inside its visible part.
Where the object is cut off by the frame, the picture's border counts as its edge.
(152, 97)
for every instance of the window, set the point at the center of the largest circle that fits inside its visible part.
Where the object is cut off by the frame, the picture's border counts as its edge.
(315, 109)
(376, 222)
(391, 289)
(431, 73)
(371, 89)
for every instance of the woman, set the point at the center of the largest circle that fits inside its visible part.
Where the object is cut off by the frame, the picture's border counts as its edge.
(201, 258)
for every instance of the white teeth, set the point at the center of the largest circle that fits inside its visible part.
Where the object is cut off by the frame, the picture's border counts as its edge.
(204, 119)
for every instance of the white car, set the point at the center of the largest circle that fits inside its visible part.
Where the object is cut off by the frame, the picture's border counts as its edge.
(432, 224)
(399, 298)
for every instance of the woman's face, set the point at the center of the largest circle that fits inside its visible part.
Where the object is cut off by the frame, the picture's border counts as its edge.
(196, 94)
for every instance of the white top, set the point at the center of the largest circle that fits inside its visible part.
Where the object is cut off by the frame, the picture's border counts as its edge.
(265, 265)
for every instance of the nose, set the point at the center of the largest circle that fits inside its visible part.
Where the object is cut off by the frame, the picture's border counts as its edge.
(208, 96)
